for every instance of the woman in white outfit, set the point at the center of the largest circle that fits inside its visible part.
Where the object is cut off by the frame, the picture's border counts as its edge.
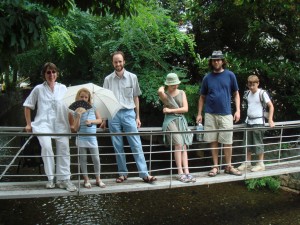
(52, 116)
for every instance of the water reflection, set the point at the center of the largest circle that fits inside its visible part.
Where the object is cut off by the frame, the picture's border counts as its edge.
(228, 203)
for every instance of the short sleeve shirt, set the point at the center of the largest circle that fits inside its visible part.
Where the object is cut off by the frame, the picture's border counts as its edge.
(52, 113)
(255, 108)
(218, 89)
(87, 141)
(124, 88)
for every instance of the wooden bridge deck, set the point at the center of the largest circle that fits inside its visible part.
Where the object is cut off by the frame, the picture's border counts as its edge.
(36, 189)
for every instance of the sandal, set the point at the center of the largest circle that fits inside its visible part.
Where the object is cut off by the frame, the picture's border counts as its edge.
(231, 170)
(100, 184)
(121, 179)
(87, 184)
(149, 179)
(182, 178)
(190, 178)
(214, 171)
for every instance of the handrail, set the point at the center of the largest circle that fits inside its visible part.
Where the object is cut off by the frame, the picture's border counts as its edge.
(159, 158)
(144, 129)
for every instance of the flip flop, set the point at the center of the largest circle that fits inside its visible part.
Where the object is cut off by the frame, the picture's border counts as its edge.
(149, 179)
(121, 179)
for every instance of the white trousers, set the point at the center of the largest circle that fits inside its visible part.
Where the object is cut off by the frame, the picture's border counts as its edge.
(62, 157)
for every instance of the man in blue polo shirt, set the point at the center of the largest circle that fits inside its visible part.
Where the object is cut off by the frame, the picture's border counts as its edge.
(217, 89)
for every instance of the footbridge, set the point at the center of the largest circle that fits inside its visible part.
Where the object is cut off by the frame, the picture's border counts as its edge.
(22, 174)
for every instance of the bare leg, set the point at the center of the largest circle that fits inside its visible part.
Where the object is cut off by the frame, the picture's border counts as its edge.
(228, 154)
(230, 169)
(249, 156)
(214, 152)
(85, 178)
(98, 179)
(185, 161)
(178, 158)
(261, 157)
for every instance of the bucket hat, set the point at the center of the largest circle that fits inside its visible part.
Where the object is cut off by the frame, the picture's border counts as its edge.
(172, 79)
(217, 55)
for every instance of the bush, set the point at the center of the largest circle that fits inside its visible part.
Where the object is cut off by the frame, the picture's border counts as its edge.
(272, 183)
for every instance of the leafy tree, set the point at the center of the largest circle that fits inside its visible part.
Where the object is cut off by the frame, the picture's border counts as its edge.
(263, 39)
(23, 25)
(265, 28)
(153, 47)
(20, 30)
(101, 8)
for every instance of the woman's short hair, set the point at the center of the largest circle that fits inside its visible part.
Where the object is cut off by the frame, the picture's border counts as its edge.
(48, 65)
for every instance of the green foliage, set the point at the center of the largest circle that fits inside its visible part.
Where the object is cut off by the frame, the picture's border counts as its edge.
(272, 183)
(20, 28)
(61, 40)
(192, 97)
(153, 47)
(101, 8)
(264, 40)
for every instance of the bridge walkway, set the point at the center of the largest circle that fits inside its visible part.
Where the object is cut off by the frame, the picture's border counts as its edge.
(281, 151)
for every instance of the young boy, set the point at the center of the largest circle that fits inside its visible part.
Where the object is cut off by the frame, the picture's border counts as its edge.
(255, 118)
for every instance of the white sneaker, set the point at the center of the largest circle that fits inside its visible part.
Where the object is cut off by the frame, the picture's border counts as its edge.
(50, 184)
(258, 167)
(244, 166)
(68, 185)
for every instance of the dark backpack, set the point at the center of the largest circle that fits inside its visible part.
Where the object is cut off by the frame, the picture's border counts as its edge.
(265, 112)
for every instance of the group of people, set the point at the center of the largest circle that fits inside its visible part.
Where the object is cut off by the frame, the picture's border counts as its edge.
(217, 89)
(52, 116)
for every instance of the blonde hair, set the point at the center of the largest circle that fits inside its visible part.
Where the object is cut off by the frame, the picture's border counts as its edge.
(253, 78)
(77, 98)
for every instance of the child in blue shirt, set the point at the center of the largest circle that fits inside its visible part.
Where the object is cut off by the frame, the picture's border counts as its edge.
(85, 121)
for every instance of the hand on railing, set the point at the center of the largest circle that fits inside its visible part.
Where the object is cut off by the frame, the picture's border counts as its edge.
(28, 128)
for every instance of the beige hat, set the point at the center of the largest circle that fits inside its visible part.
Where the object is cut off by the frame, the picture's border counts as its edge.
(172, 79)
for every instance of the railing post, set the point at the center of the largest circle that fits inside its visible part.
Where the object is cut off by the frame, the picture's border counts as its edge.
(150, 149)
(171, 161)
(246, 149)
(280, 145)
(221, 156)
(78, 164)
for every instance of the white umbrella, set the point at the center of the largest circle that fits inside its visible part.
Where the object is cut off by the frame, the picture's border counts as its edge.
(103, 99)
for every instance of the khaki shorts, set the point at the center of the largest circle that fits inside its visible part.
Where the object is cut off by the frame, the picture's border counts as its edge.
(215, 122)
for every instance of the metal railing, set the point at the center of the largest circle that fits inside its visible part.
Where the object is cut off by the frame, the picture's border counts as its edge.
(16, 181)
(280, 143)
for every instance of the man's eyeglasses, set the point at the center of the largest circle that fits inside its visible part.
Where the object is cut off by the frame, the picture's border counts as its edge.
(49, 72)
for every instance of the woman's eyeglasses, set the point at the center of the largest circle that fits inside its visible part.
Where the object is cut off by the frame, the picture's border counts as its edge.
(49, 72)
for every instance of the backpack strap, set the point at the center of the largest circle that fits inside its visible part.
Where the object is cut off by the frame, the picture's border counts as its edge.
(261, 98)
(262, 101)
(246, 93)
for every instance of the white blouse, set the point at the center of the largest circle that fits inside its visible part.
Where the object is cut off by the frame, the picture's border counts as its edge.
(52, 112)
